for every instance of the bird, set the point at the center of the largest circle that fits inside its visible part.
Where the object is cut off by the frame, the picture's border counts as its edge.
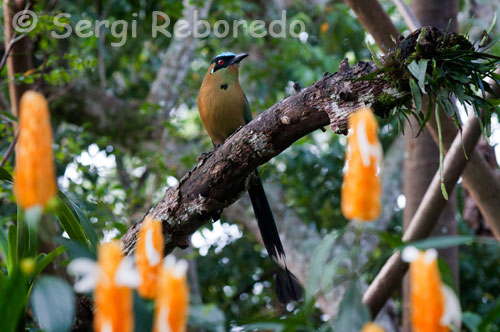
(224, 108)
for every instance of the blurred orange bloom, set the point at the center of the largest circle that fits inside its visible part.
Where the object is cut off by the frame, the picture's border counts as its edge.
(372, 327)
(362, 189)
(113, 301)
(34, 176)
(323, 28)
(148, 256)
(172, 301)
(434, 306)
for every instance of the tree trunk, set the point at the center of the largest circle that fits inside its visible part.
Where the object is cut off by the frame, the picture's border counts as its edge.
(19, 59)
(422, 155)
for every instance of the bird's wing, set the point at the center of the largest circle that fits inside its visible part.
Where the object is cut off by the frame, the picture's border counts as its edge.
(247, 111)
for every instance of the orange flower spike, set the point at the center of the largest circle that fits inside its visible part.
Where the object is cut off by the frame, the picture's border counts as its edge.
(372, 327)
(172, 301)
(34, 176)
(434, 306)
(148, 256)
(113, 302)
(362, 189)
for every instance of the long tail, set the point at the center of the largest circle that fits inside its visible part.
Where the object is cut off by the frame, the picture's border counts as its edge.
(287, 286)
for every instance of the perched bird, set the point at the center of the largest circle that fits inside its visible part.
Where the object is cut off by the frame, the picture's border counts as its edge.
(223, 109)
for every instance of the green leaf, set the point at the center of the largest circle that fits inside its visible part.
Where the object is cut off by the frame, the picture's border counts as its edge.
(449, 241)
(441, 155)
(490, 318)
(320, 256)
(394, 241)
(9, 116)
(329, 273)
(5, 175)
(207, 316)
(466, 34)
(493, 42)
(66, 213)
(3, 279)
(27, 235)
(84, 221)
(446, 274)
(12, 256)
(419, 70)
(275, 327)
(415, 92)
(76, 249)
(144, 313)
(12, 300)
(492, 24)
(53, 304)
(47, 259)
(4, 242)
(471, 320)
(69, 222)
(353, 313)
(374, 55)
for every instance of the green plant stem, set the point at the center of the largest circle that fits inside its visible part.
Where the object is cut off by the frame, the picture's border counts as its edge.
(441, 154)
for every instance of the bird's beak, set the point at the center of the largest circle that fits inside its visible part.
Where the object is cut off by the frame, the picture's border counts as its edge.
(238, 58)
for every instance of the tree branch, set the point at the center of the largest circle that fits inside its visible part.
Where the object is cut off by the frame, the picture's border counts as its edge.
(19, 55)
(376, 22)
(221, 178)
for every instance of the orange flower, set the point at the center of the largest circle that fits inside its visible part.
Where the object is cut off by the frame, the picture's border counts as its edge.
(323, 28)
(148, 255)
(372, 327)
(34, 178)
(362, 189)
(172, 299)
(434, 306)
(113, 300)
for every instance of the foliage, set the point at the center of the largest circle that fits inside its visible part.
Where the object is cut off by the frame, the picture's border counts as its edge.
(107, 183)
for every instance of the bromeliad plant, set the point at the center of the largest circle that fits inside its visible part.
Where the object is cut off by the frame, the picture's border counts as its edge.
(442, 71)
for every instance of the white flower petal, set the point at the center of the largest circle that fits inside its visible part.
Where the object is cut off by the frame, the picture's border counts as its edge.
(162, 322)
(126, 274)
(87, 271)
(178, 267)
(107, 326)
(409, 254)
(430, 255)
(152, 255)
(81, 266)
(366, 149)
(452, 312)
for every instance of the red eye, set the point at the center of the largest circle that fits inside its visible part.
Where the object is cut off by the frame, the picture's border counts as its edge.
(220, 62)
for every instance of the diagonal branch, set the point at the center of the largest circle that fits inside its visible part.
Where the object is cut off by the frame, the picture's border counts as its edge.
(221, 178)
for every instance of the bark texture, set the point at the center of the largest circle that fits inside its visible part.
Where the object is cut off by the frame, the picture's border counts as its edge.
(19, 58)
(221, 178)
(376, 22)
